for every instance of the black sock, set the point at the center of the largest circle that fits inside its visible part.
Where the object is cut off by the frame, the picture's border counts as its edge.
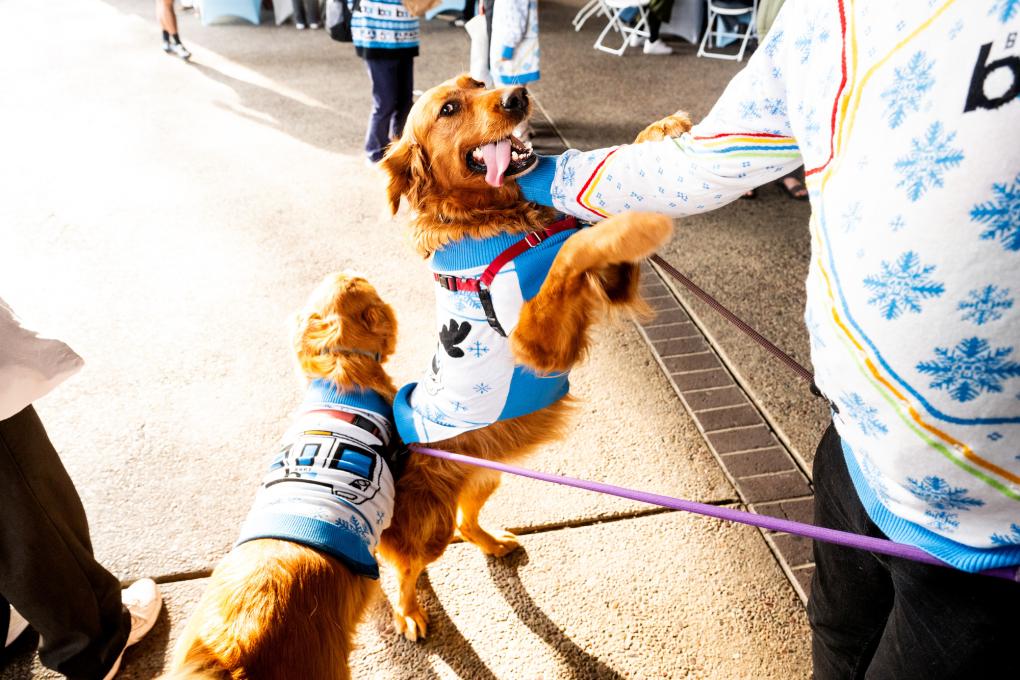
(177, 39)
(166, 35)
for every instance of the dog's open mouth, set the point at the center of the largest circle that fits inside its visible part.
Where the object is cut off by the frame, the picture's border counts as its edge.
(505, 158)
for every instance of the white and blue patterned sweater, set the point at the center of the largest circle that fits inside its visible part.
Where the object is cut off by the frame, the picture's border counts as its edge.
(384, 29)
(905, 116)
(513, 49)
(330, 486)
(473, 380)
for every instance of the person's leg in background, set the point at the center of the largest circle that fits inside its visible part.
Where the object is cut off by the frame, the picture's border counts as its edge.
(658, 12)
(884, 618)
(311, 13)
(383, 74)
(47, 569)
(404, 95)
(300, 20)
(168, 21)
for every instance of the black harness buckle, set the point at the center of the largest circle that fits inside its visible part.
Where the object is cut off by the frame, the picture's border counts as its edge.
(485, 297)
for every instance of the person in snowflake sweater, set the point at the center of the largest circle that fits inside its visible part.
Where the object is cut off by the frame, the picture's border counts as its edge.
(899, 112)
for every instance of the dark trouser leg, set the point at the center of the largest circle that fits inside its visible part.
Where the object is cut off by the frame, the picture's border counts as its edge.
(405, 95)
(47, 570)
(311, 10)
(299, 12)
(884, 618)
(383, 73)
(654, 25)
(469, 10)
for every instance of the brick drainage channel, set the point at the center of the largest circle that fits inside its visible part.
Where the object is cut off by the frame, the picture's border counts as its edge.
(760, 467)
(758, 464)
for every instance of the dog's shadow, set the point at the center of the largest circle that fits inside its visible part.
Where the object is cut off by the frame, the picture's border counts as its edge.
(579, 663)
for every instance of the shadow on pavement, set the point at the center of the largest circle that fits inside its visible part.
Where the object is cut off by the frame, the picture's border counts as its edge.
(580, 664)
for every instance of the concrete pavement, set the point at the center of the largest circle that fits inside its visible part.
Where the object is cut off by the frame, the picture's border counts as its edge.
(166, 219)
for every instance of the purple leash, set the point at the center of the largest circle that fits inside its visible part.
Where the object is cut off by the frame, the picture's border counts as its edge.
(876, 545)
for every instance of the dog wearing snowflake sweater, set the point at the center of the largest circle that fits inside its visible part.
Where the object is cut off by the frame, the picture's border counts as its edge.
(517, 290)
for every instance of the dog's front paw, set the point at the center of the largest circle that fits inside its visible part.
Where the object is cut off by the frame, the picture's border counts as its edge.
(413, 625)
(670, 126)
(534, 345)
(499, 544)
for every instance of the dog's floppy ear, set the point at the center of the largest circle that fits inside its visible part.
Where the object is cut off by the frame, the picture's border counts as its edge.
(404, 163)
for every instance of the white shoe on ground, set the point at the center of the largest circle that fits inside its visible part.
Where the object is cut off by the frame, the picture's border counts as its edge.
(299, 26)
(181, 51)
(16, 627)
(143, 601)
(314, 26)
(657, 47)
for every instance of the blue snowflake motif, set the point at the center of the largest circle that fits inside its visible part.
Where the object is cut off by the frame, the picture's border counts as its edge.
(1001, 214)
(569, 175)
(984, 305)
(478, 349)
(942, 520)
(1004, 10)
(939, 494)
(777, 72)
(902, 286)
(864, 415)
(557, 195)
(970, 368)
(463, 299)
(851, 217)
(482, 388)
(458, 407)
(773, 43)
(874, 477)
(897, 223)
(955, 30)
(775, 107)
(811, 128)
(995, 436)
(803, 43)
(355, 526)
(1012, 538)
(909, 85)
(749, 109)
(929, 158)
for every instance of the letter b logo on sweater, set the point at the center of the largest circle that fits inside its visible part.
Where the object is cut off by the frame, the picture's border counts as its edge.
(993, 74)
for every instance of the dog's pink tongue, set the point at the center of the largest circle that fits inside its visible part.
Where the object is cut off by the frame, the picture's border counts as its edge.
(497, 160)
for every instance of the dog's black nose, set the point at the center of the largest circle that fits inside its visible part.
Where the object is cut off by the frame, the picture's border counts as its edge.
(516, 99)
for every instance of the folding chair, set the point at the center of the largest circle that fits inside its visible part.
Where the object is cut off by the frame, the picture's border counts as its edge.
(631, 34)
(591, 9)
(717, 9)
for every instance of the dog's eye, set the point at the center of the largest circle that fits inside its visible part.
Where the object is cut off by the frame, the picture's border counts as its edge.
(449, 108)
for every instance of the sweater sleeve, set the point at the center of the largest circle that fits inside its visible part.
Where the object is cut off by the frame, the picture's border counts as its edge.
(511, 18)
(744, 142)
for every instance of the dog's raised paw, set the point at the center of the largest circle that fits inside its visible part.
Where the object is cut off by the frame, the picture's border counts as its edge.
(670, 126)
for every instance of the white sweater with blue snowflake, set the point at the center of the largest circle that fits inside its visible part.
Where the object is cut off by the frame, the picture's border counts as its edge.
(904, 115)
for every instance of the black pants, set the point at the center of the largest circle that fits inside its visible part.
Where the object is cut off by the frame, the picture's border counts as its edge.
(392, 93)
(883, 618)
(306, 12)
(47, 570)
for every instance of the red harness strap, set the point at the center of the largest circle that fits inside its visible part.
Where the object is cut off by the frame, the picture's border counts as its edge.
(530, 240)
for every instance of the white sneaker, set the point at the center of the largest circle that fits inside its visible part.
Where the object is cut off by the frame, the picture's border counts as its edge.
(16, 627)
(181, 51)
(299, 26)
(143, 601)
(314, 26)
(657, 47)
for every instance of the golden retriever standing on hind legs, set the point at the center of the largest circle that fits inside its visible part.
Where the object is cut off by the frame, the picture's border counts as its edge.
(285, 602)
(517, 288)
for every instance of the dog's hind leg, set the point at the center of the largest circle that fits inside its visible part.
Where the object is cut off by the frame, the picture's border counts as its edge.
(552, 332)
(472, 497)
(409, 618)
